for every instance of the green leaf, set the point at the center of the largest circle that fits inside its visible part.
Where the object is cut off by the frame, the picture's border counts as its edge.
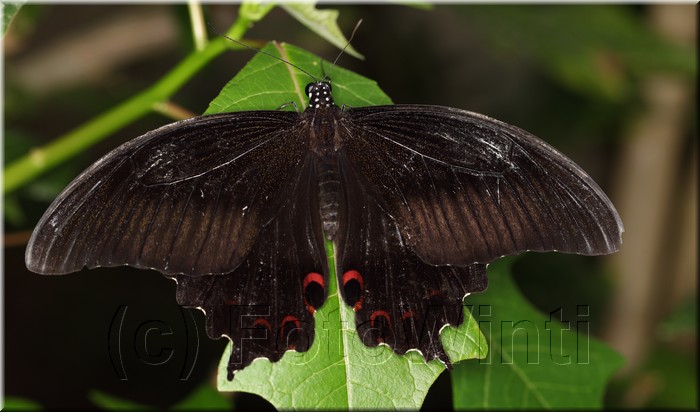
(266, 83)
(322, 22)
(9, 11)
(254, 10)
(14, 403)
(202, 397)
(682, 321)
(671, 376)
(112, 403)
(534, 362)
(339, 371)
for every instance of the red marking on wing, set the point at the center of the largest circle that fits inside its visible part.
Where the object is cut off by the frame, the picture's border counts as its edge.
(262, 322)
(315, 278)
(297, 324)
(377, 313)
(409, 314)
(288, 319)
(355, 275)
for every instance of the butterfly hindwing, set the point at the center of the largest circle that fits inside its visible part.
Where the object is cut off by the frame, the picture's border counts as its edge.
(187, 198)
(398, 299)
(464, 188)
(266, 305)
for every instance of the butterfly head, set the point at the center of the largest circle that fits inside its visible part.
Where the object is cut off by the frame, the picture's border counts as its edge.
(319, 94)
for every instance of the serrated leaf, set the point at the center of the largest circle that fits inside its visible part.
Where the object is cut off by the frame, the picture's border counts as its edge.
(534, 361)
(266, 83)
(339, 371)
(9, 10)
(322, 22)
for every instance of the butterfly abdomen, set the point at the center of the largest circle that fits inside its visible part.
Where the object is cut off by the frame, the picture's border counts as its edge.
(329, 192)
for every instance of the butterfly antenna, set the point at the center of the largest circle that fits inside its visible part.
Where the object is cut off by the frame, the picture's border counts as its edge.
(352, 35)
(240, 43)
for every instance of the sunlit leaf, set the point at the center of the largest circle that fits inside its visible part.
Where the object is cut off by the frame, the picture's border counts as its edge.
(266, 83)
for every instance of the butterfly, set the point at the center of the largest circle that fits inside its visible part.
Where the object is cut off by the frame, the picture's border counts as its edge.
(236, 207)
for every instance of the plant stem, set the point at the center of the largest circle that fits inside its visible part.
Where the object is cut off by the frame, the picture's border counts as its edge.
(199, 32)
(39, 160)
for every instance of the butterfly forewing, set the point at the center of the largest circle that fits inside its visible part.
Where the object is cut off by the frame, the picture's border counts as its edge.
(464, 188)
(186, 198)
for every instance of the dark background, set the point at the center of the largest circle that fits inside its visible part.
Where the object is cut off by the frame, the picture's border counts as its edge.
(610, 86)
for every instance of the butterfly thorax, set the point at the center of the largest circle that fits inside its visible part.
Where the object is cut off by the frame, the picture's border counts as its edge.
(321, 115)
(319, 94)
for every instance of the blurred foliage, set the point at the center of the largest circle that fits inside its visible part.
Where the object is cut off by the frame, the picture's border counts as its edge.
(682, 322)
(675, 379)
(9, 10)
(668, 377)
(205, 397)
(668, 380)
(601, 51)
(14, 403)
(34, 196)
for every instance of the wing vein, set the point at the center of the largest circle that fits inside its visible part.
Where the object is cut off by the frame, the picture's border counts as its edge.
(473, 211)
(212, 217)
(183, 214)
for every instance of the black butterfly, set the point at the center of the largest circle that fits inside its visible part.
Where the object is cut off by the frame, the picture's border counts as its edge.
(235, 208)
